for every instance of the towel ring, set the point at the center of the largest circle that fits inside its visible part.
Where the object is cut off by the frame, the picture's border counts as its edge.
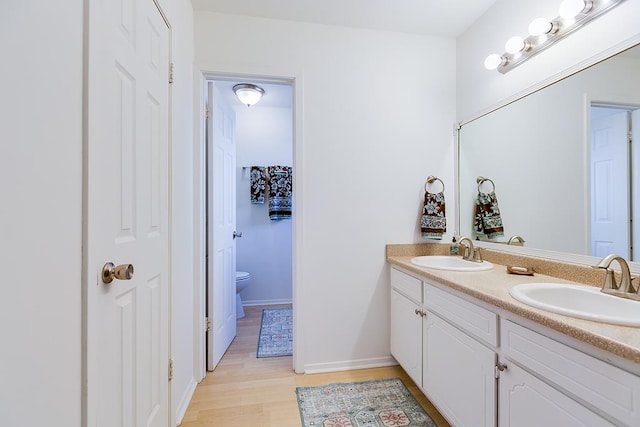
(481, 180)
(430, 180)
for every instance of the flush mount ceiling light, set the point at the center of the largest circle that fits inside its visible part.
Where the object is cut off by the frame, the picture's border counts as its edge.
(573, 15)
(249, 94)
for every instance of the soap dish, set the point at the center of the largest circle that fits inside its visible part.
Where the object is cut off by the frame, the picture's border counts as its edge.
(524, 271)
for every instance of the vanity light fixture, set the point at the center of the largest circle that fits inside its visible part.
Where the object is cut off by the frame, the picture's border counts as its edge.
(249, 94)
(572, 15)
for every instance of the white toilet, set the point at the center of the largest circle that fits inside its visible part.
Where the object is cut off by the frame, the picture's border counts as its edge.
(242, 280)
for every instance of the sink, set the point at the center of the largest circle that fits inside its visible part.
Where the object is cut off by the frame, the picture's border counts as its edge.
(583, 302)
(452, 263)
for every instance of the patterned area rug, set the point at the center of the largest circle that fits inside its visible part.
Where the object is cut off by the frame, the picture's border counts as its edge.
(380, 403)
(276, 333)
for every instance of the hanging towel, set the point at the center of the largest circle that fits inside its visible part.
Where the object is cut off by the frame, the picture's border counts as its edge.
(487, 216)
(433, 223)
(258, 184)
(280, 191)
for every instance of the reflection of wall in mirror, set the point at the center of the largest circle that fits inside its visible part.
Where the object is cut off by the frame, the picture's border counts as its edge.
(535, 152)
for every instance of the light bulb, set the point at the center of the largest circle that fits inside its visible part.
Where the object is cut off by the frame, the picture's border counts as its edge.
(570, 8)
(514, 44)
(493, 61)
(540, 26)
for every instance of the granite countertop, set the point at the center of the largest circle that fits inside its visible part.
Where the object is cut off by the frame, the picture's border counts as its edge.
(492, 287)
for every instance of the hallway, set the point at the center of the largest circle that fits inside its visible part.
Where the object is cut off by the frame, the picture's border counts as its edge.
(247, 391)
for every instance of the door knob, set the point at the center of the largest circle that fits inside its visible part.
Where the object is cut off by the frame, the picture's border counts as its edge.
(121, 272)
(237, 234)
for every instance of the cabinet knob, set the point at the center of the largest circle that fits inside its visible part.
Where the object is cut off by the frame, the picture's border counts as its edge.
(420, 312)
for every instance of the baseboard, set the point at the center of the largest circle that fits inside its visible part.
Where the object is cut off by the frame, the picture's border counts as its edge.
(266, 302)
(181, 409)
(348, 365)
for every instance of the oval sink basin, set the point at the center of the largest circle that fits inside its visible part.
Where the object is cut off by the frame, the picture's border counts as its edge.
(452, 263)
(583, 302)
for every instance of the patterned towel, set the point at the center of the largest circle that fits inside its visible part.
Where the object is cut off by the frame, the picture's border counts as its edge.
(280, 191)
(487, 216)
(258, 184)
(433, 222)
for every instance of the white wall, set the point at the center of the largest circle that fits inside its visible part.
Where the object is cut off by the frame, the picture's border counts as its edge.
(478, 88)
(264, 137)
(375, 119)
(40, 218)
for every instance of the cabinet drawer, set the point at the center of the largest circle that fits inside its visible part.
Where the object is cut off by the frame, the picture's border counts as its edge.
(407, 285)
(606, 388)
(475, 320)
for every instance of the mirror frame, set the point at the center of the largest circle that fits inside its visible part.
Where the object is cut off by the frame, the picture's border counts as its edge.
(523, 250)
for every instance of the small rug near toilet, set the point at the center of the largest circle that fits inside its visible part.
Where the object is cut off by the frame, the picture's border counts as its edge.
(379, 403)
(276, 333)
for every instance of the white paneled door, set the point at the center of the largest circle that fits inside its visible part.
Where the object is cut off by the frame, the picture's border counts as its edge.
(610, 178)
(126, 215)
(221, 224)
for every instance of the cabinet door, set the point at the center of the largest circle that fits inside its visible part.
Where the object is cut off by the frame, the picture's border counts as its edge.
(458, 374)
(406, 335)
(526, 401)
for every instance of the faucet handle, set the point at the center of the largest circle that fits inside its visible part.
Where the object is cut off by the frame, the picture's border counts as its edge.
(477, 255)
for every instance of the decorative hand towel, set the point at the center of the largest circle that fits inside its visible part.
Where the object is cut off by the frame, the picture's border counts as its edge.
(433, 222)
(487, 216)
(280, 191)
(258, 184)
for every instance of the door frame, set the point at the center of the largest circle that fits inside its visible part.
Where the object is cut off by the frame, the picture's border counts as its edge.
(296, 81)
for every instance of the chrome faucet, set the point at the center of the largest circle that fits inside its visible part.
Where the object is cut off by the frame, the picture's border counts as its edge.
(470, 253)
(625, 289)
(516, 240)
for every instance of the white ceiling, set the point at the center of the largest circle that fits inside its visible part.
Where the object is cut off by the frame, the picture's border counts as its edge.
(448, 18)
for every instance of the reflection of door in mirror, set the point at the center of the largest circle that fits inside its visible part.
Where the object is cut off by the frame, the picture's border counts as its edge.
(615, 168)
(610, 182)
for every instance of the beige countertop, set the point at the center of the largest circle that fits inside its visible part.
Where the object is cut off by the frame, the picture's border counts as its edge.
(492, 287)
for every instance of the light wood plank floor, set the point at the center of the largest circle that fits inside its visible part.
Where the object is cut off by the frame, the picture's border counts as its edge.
(247, 391)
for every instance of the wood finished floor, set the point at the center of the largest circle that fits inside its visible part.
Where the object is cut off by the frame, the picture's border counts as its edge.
(247, 391)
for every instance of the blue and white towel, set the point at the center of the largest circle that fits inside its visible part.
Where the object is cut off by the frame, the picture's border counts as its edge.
(280, 191)
(258, 184)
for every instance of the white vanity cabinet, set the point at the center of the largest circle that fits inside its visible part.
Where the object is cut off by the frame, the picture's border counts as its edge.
(459, 359)
(483, 369)
(549, 383)
(454, 370)
(526, 401)
(406, 323)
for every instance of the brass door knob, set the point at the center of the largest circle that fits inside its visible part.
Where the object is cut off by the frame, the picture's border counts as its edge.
(121, 272)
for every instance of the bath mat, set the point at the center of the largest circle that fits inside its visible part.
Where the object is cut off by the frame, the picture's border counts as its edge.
(379, 403)
(276, 333)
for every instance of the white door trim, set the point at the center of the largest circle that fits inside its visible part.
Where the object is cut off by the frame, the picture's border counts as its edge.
(199, 239)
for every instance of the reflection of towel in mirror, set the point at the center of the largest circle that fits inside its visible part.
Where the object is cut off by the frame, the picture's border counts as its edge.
(433, 223)
(258, 184)
(487, 216)
(280, 191)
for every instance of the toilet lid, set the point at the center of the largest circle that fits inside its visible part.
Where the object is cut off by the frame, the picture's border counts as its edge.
(242, 275)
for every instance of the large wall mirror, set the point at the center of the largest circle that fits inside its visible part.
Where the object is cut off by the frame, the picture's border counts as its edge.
(566, 178)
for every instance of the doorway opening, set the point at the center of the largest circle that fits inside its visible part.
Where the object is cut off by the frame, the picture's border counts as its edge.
(615, 180)
(242, 235)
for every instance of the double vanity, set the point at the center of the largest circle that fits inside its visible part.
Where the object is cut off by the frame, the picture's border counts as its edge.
(485, 358)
